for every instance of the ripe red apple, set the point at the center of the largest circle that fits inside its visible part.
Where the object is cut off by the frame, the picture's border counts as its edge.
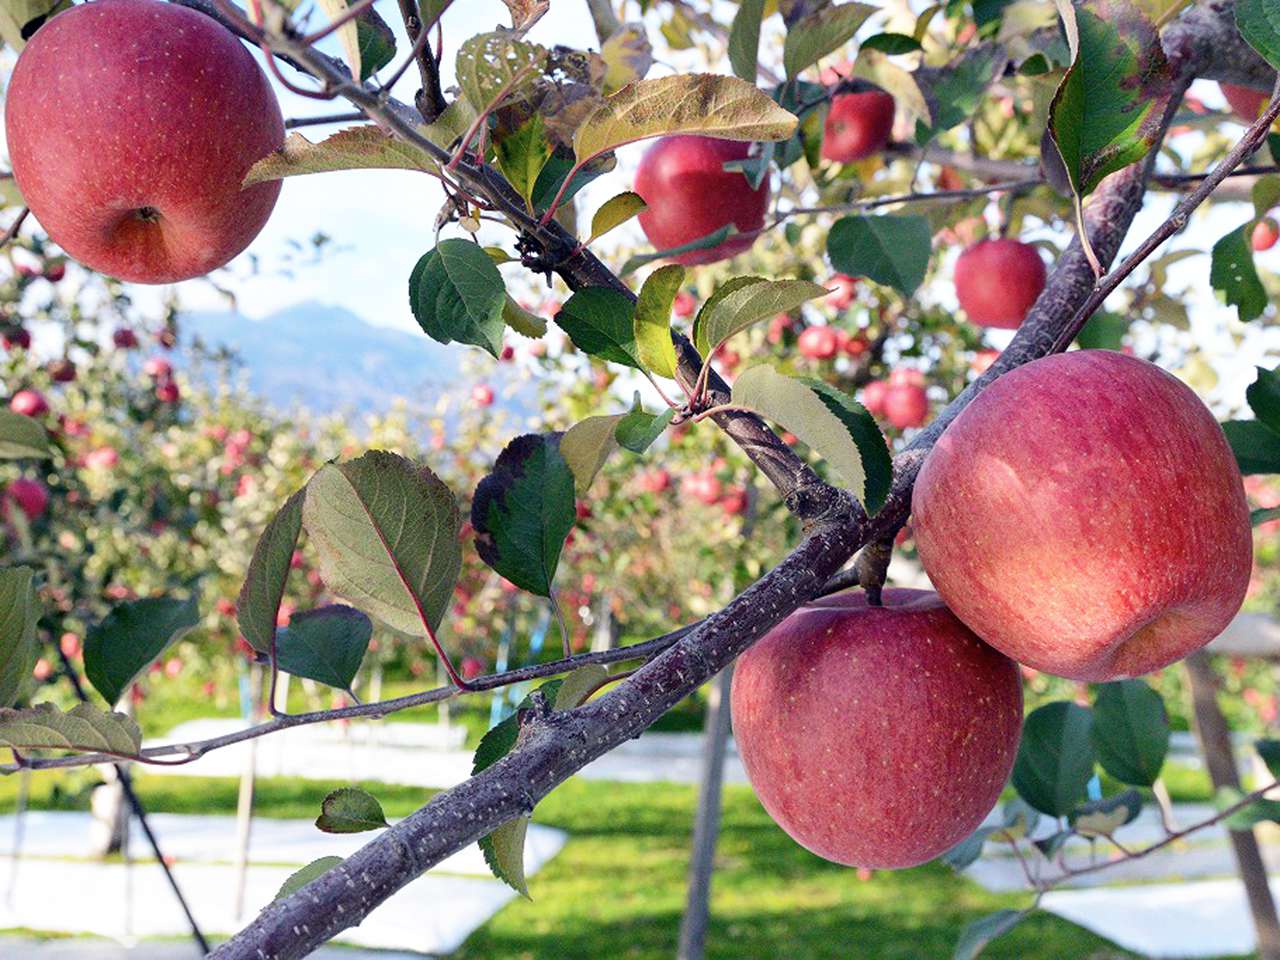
(55, 270)
(857, 345)
(1085, 516)
(857, 126)
(684, 305)
(690, 195)
(1265, 234)
(157, 368)
(845, 289)
(873, 397)
(168, 392)
(876, 736)
(31, 496)
(131, 125)
(997, 281)
(1245, 102)
(905, 405)
(734, 501)
(19, 337)
(62, 371)
(508, 353)
(29, 403)
(482, 395)
(124, 338)
(472, 667)
(818, 343)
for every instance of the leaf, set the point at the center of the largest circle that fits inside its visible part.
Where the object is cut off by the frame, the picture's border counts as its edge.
(579, 685)
(356, 148)
(268, 573)
(817, 34)
(1103, 331)
(1265, 195)
(893, 250)
(627, 56)
(1102, 818)
(456, 293)
(312, 871)
(1232, 273)
(119, 648)
(957, 93)
(653, 320)
(1020, 818)
(715, 106)
(1106, 113)
(386, 533)
(19, 19)
(523, 511)
(891, 43)
(1264, 397)
(350, 810)
(522, 155)
(326, 644)
(1130, 731)
(586, 446)
(876, 67)
(504, 853)
(1256, 446)
(837, 427)
(19, 614)
(22, 437)
(1050, 845)
(614, 212)
(1269, 751)
(347, 34)
(522, 321)
(599, 321)
(637, 430)
(84, 729)
(965, 853)
(713, 239)
(975, 937)
(490, 63)
(1056, 757)
(1259, 23)
(744, 39)
(1264, 515)
(722, 317)
(376, 41)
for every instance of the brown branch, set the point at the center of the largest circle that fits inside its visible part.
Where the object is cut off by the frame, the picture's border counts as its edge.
(430, 99)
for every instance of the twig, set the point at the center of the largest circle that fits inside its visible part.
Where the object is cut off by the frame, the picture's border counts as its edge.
(348, 117)
(14, 227)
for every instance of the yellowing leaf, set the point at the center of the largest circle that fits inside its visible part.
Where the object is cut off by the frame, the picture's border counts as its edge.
(703, 103)
(17, 16)
(348, 34)
(491, 65)
(356, 148)
(504, 853)
(627, 57)
(614, 212)
(585, 447)
(722, 317)
(653, 320)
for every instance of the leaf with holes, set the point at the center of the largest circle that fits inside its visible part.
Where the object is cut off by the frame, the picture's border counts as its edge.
(130, 637)
(386, 533)
(1264, 397)
(492, 65)
(748, 304)
(1259, 23)
(836, 426)
(22, 438)
(586, 446)
(19, 614)
(522, 155)
(1130, 731)
(828, 28)
(1232, 273)
(1256, 446)
(744, 39)
(614, 212)
(653, 320)
(312, 871)
(264, 582)
(891, 249)
(350, 810)
(1055, 758)
(600, 322)
(523, 511)
(457, 293)
(82, 729)
(326, 644)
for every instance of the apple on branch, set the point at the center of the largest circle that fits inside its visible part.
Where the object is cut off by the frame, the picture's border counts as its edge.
(998, 281)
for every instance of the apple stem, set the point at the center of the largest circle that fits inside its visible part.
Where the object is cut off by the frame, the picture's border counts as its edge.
(872, 567)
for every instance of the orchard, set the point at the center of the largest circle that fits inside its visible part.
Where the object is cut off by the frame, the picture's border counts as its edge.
(823, 304)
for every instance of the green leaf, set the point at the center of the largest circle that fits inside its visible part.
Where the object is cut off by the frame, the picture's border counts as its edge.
(891, 43)
(350, 810)
(522, 155)
(653, 320)
(1264, 398)
(1056, 757)
(1102, 818)
(1256, 446)
(82, 729)
(522, 321)
(1269, 751)
(579, 684)
(268, 573)
(965, 853)
(586, 446)
(312, 871)
(456, 293)
(836, 426)
(614, 212)
(701, 243)
(893, 250)
(817, 34)
(1265, 195)
(599, 321)
(957, 93)
(744, 39)
(975, 937)
(490, 63)
(1259, 23)
(504, 853)
(637, 430)
(22, 437)
(1103, 331)
(19, 614)
(1232, 273)
(326, 645)
(386, 533)
(1130, 731)
(1264, 515)
(1106, 113)
(523, 511)
(744, 305)
(130, 637)
(376, 41)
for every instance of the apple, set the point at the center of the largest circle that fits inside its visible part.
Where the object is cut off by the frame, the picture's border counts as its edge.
(857, 345)
(124, 338)
(997, 281)
(131, 125)
(1085, 516)
(1245, 102)
(31, 496)
(690, 195)
(55, 270)
(103, 458)
(818, 343)
(779, 326)
(873, 397)
(858, 125)
(472, 667)
(29, 403)
(1265, 234)
(734, 501)
(157, 368)
(62, 371)
(508, 353)
(18, 337)
(684, 305)
(168, 392)
(482, 395)
(905, 405)
(69, 644)
(845, 289)
(876, 736)
(703, 486)
(906, 377)
(655, 481)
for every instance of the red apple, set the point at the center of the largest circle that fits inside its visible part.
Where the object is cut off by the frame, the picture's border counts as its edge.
(131, 125)
(690, 195)
(1085, 516)
(845, 289)
(703, 486)
(818, 343)
(857, 345)
(1245, 102)
(472, 667)
(62, 371)
(55, 270)
(29, 403)
(905, 405)
(1265, 234)
(858, 125)
(124, 338)
(684, 305)
(997, 281)
(508, 353)
(168, 392)
(655, 481)
(779, 326)
(734, 501)
(103, 458)
(31, 496)
(18, 337)
(906, 377)
(482, 395)
(873, 397)
(157, 368)
(876, 736)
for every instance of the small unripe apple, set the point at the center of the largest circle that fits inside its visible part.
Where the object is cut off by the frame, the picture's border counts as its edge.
(62, 371)
(69, 644)
(131, 125)
(31, 496)
(690, 195)
(845, 287)
(857, 126)
(873, 397)
(857, 345)
(482, 395)
(124, 338)
(997, 281)
(19, 338)
(876, 736)
(818, 343)
(168, 392)
(906, 405)
(29, 403)
(1245, 102)
(684, 305)
(1265, 234)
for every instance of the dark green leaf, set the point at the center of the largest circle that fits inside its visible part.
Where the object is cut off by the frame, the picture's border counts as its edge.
(1264, 515)
(376, 41)
(975, 937)
(22, 437)
(1050, 845)
(890, 249)
(1264, 398)
(965, 853)
(312, 871)
(600, 322)
(552, 175)
(958, 92)
(1103, 331)
(19, 614)
(350, 810)
(891, 43)
(456, 293)
(1232, 273)
(1269, 751)
(264, 583)
(828, 28)
(1259, 23)
(1130, 731)
(1056, 757)
(744, 39)
(522, 155)
(130, 637)
(325, 644)
(1256, 446)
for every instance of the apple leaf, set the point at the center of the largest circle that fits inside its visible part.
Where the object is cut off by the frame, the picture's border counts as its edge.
(965, 853)
(825, 30)
(1264, 515)
(350, 810)
(504, 854)
(522, 321)
(586, 446)
(1103, 331)
(975, 937)
(1269, 753)
(19, 614)
(523, 511)
(1232, 273)
(891, 249)
(637, 429)
(836, 426)
(713, 239)
(627, 56)
(1259, 24)
(386, 532)
(1247, 817)
(653, 320)
(22, 437)
(83, 729)
(599, 321)
(614, 212)
(348, 35)
(891, 43)
(744, 305)
(1107, 110)
(264, 582)
(326, 644)
(1264, 397)
(1265, 194)
(457, 293)
(522, 155)
(492, 65)
(312, 871)
(1103, 817)
(20, 19)
(744, 39)
(957, 92)
(1130, 731)
(1055, 758)
(356, 148)
(377, 43)
(1256, 446)
(704, 103)
(130, 637)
